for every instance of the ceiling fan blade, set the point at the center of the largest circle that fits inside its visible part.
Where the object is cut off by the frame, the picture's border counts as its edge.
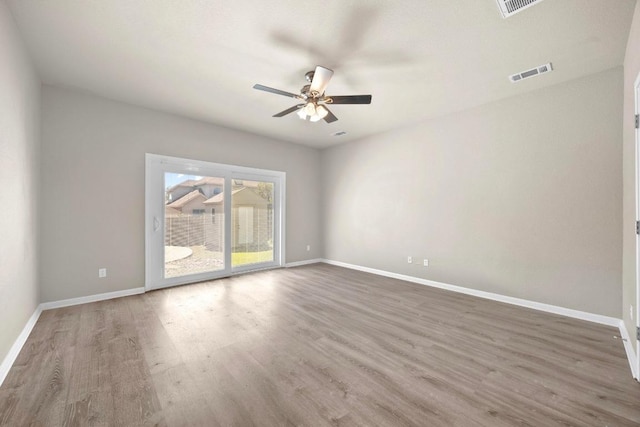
(276, 91)
(330, 118)
(321, 79)
(350, 99)
(289, 110)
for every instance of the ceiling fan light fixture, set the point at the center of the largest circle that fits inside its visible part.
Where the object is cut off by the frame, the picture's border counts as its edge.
(302, 114)
(310, 109)
(321, 112)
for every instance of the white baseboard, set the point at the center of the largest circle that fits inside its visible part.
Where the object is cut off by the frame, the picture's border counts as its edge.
(576, 314)
(11, 357)
(90, 298)
(628, 348)
(305, 262)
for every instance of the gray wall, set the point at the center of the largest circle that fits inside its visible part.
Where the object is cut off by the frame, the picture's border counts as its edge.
(521, 197)
(92, 212)
(19, 147)
(631, 70)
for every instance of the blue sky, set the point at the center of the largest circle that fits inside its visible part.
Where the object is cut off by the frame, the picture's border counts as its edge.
(171, 179)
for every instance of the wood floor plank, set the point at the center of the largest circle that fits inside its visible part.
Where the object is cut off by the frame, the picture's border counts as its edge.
(317, 345)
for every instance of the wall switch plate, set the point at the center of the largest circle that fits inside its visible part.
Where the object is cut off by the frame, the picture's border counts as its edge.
(425, 262)
(409, 259)
(631, 312)
(308, 248)
(102, 272)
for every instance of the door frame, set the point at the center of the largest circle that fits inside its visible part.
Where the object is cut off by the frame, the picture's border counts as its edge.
(155, 167)
(636, 96)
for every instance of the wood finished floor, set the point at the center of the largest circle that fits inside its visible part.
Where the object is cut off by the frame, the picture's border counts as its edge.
(318, 346)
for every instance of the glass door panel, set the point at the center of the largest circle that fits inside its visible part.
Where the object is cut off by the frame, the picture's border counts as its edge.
(252, 225)
(193, 224)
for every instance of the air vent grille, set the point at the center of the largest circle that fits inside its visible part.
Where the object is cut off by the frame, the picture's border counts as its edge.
(541, 69)
(511, 7)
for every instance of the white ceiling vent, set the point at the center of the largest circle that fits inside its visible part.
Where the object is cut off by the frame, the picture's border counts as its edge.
(540, 69)
(511, 7)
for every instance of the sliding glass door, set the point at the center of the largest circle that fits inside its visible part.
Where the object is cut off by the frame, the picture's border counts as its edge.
(206, 220)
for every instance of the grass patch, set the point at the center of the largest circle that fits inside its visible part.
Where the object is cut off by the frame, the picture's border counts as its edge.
(202, 254)
(242, 258)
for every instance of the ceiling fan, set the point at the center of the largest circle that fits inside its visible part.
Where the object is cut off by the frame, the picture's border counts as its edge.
(314, 101)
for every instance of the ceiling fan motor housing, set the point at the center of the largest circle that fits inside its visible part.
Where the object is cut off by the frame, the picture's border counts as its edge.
(309, 75)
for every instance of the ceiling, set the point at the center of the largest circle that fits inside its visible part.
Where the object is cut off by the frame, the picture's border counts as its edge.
(418, 58)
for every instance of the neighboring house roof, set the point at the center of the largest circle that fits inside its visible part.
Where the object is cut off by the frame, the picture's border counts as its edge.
(169, 211)
(219, 198)
(186, 199)
(249, 196)
(209, 180)
(195, 183)
(245, 183)
(187, 183)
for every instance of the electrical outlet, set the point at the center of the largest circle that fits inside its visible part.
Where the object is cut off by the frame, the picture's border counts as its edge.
(102, 272)
(409, 259)
(425, 262)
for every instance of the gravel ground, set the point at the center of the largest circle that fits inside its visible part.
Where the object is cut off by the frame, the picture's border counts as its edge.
(200, 261)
